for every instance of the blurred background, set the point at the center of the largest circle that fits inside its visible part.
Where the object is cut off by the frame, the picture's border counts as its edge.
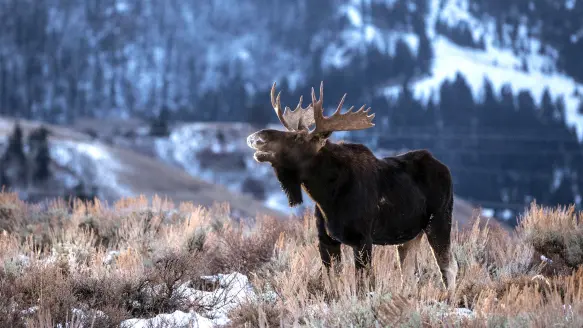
(114, 98)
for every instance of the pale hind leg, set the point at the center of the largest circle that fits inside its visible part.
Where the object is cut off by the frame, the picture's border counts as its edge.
(407, 253)
(439, 238)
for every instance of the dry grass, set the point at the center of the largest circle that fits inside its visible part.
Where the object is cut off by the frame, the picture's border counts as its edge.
(95, 266)
(117, 263)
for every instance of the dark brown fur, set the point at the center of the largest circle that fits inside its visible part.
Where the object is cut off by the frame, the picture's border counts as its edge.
(362, 200)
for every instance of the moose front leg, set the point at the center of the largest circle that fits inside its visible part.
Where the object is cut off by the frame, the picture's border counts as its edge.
(363, 265)
(330, 251)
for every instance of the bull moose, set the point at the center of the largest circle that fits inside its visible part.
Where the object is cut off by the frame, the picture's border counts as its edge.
(360, 199)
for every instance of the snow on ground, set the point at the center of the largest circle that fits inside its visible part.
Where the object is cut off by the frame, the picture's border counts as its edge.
(90, 160)
(175, 319)
(455, 12)
(234, 288)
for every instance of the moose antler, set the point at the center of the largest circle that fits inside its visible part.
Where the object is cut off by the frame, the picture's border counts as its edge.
(292, 120)
(348, 121)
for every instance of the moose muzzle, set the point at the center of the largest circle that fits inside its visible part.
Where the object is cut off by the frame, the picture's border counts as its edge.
(255, 141)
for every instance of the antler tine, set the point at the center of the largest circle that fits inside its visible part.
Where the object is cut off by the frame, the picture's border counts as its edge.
(299, 118)
(293, 120)
(342, 104)
(300, 103)
(276, 103)
(320, 100)
(317, 108)
(302, 118)
(340, 122)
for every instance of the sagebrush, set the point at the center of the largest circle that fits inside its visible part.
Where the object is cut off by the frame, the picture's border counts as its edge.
(92, 265)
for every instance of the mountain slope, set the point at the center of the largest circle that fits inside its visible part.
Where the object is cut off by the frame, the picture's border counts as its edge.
(525, 70)
(119, 172)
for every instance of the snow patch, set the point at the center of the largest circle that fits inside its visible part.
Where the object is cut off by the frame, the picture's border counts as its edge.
(353, 15)
(234, 288)
(463, 312)
(175, 319)
(90, 160)
(456, 13)
(507, 214)
(488, 212)
(111, 257)
(359, 37)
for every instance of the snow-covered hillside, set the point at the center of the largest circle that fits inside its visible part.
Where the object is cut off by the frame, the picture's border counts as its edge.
(83, 166)
(500, 67)
(525, 70)
(76, 162)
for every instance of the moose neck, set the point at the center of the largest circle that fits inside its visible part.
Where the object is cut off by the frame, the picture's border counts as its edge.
(315, 175)
(324, 177)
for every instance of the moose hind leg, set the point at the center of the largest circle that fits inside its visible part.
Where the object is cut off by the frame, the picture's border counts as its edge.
(439, 238)
(407, 253)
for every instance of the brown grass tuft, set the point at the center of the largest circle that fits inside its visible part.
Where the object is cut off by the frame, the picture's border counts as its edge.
(556, 233)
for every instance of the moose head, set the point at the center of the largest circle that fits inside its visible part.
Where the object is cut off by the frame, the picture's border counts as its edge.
(298, 144)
